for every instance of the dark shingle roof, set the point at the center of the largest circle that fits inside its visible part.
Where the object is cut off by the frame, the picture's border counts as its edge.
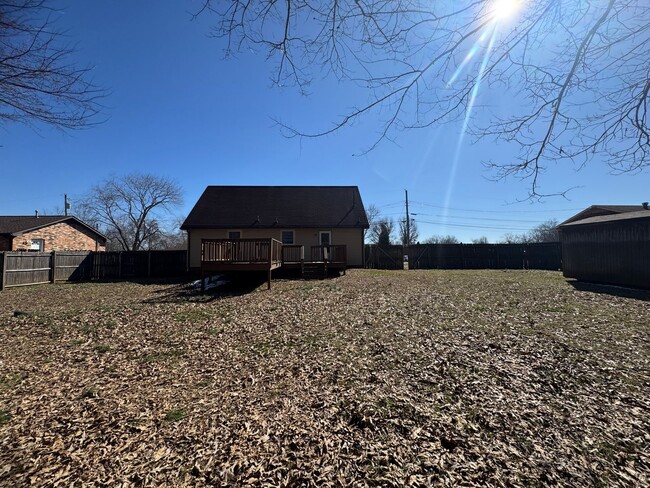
(13, 224)
(600, 210)
(278, 207)
(639, 214)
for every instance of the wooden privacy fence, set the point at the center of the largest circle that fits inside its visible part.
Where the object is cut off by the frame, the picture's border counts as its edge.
(31, 268)
(466, 256)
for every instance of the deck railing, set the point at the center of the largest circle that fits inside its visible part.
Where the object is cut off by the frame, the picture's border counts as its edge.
(332, 254)
(293, 253)
(240, 251)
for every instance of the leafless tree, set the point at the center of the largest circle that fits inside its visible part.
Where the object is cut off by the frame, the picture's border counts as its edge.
(38, 81)
(448, 239)
(129, 209)
(408, 234)
(480, 240)
(577, 73)
(372, 213)
(544, 232)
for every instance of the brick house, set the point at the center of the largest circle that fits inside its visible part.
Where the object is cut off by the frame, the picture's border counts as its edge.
(48, 233)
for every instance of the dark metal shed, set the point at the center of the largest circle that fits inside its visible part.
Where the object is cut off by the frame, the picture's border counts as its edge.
(613, 249)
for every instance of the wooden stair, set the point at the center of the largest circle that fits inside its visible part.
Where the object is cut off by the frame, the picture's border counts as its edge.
(314, 270)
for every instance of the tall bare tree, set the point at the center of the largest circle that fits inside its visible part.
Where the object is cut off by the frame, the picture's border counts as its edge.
(372, 213)
(38, 80)
(130, 209)
(408, 234)
(577, 72)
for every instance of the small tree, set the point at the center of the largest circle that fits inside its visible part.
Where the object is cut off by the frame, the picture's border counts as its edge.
(129, 209)
(381, 232)
(480, 240)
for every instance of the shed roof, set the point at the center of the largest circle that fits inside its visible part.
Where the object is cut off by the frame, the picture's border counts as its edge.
(598, 210)
(278, 207)
(639, 214)
(18, 224)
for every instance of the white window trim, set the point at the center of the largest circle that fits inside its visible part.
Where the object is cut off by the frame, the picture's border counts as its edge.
(293, 238)
(320, 233)
(41, 246)
(241, 234)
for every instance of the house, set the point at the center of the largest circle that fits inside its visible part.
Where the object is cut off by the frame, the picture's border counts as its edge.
(48, 233)
(608, 244)
(302, 223)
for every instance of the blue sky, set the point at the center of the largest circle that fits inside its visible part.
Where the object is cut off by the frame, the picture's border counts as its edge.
(177, 108)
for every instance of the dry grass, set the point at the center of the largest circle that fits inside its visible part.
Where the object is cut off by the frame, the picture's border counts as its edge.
(374, 378)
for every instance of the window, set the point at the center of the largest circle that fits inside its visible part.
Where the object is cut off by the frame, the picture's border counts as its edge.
(325, 238)
(234, 234)
(37, 245)
(288, 237)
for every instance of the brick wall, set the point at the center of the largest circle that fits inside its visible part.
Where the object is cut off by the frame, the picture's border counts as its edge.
(64, 236)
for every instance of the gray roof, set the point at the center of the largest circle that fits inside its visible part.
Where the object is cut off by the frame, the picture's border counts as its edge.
(18, 224)
(284, 207)
(598, 210)
(639, 214)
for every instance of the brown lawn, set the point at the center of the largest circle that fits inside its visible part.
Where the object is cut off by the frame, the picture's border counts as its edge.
(375, 378)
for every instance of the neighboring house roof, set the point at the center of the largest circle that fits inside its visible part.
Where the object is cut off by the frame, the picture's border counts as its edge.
(599, 210)
(267, 207)
(639, 214)
(14, 225)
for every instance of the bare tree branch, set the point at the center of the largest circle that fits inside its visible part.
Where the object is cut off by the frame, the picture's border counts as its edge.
(576, 73)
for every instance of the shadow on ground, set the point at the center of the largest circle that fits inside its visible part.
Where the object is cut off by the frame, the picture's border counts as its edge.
(617, 291)
(187, 292)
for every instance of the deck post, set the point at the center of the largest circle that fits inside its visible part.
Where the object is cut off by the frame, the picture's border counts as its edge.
(3, 270)
(53, 266)
(270, 263)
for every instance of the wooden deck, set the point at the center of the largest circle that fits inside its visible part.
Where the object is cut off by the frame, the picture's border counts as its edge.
(227, 255)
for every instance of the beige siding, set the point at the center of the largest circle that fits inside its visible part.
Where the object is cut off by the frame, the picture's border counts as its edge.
(352, 238)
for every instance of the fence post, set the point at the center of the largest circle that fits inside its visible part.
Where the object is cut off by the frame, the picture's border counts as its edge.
(149, 263)
(3, 270)
(119, 265)
(53, 266)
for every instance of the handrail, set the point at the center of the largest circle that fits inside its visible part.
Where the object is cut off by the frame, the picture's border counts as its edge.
(329, 253)
(241, 250)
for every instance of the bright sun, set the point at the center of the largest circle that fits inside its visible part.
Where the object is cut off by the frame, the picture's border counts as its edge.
(504, 9)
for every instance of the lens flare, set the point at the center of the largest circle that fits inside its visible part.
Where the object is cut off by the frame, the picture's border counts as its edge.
(505, 9)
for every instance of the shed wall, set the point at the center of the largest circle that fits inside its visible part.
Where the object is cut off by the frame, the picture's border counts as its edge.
(616, 252)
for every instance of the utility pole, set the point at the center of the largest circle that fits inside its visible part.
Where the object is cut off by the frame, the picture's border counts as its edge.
(66, 205)
(408, 222)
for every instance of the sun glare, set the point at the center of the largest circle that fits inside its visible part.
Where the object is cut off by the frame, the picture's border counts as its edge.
(505, 9)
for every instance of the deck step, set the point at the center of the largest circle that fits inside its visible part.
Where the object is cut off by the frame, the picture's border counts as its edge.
(314, 271)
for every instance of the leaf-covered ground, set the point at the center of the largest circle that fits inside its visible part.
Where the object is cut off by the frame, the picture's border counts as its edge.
(374, 378)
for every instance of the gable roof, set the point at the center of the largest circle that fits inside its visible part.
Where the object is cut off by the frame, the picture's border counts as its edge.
(286, 207)
(601, 210)
(640, 214)
(18, 224)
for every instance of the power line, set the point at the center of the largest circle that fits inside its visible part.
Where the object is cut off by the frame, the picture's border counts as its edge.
(495, 211)
(485, 227)
(477, 218)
